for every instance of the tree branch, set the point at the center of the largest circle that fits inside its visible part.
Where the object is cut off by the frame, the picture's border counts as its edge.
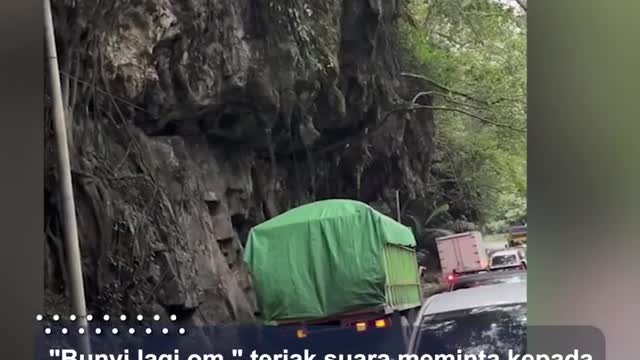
(446, 97)
(457, 92)
(375, 128)
(440, 86)
(475, 116)
(523, 4)
(365, 132)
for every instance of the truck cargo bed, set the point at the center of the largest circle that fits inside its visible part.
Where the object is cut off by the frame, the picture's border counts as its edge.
(330, 258)
(462, 253)
(403, 287)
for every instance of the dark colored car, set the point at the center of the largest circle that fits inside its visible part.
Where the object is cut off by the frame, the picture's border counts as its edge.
(488, 278)
(481, 279)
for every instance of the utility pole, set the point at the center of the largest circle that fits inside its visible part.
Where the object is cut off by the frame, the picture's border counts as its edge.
(72, 245)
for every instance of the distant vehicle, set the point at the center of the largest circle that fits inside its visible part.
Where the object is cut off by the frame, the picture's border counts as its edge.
(492, 319)
(483, 279)
(508, 259)
(522, 248)
(461, 254)
(334, 262)
(518, 236)
(488, 278)
(493, 243)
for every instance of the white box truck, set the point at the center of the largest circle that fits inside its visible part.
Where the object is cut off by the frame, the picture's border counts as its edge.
(461, 254)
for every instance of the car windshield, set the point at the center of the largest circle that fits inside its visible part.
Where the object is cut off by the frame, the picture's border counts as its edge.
(491, 330)
(503, 260)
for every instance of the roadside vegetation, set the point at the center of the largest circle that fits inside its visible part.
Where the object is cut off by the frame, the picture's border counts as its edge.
(471, 56)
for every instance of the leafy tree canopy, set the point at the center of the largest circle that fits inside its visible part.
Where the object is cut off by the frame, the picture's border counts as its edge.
(472, 58)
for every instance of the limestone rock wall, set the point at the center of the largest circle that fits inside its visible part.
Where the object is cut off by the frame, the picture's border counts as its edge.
(193, 120)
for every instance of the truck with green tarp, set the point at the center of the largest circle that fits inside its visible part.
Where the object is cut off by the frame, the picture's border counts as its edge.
(333, 261)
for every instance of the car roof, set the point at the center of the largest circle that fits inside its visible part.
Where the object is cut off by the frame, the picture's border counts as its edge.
(505, 252)
(490, 275)
(488, 295)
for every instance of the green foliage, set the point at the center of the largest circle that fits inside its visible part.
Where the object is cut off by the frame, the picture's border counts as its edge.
(423, 232)
(439, 210)
(476, 51)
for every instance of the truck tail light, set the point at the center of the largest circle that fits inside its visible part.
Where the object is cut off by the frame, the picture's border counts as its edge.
(451, 278)
(381, 323)
(361, 326)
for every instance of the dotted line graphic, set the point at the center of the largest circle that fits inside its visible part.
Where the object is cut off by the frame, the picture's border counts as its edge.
(107, 318)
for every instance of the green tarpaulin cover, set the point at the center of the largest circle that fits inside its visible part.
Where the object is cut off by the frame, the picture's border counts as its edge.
(321, 259)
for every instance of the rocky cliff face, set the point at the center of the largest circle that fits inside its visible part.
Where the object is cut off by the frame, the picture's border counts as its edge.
(193, 120)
